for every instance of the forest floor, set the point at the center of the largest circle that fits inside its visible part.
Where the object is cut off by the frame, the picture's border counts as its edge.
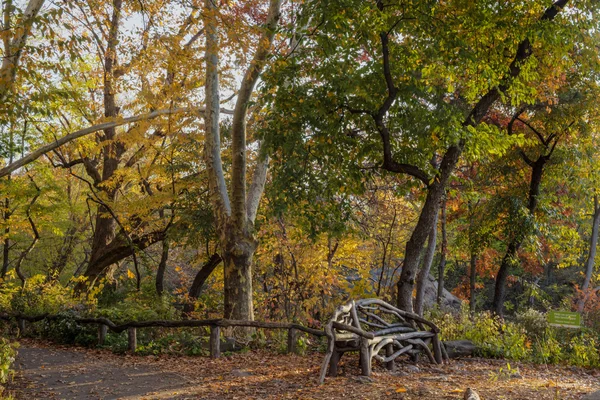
(48, 371)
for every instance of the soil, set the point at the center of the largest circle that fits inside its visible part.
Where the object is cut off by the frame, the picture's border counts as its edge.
(47, 371)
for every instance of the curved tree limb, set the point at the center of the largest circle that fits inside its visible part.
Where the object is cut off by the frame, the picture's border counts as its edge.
(95, 128)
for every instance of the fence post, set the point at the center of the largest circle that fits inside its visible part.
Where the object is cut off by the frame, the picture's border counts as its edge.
(102, 330)
(215, 341)
(292, 341)
(132, 339)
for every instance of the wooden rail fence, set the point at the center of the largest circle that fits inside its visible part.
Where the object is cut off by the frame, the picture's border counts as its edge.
(215, 325)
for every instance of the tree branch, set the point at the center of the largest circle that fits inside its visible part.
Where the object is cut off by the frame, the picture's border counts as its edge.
(238, 143)
(92, 129)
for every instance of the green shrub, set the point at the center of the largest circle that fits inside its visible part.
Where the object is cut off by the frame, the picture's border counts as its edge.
(534, 322)
(547, 349)
(65, 329)
(528, 338)
(584, 351)
(8, 353)
(37, 296)
(493, 336)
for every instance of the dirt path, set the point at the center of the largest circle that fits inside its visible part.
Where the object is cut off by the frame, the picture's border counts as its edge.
(60, 373)
(54, 372)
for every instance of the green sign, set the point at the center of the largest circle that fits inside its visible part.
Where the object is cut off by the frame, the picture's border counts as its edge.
(564, 319)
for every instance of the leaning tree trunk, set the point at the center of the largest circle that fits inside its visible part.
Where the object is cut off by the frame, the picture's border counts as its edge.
(589, 265)
(427, 220)
(435, 189)
(424, 273)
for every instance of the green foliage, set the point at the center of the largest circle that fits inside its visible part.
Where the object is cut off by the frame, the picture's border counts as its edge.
(547, 349)
(528, 338)
(493, 336)
(583, 350)
(8, 352)
(38, 296)
(504, 373)
(140, 306)
(64, 329)
(534, 322)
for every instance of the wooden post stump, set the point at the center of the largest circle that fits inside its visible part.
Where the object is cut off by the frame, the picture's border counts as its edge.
(102, 331)
(21, 326)
(292, 341)
(336, 356)
(437, 349)
(215, 341)
(132, 339)
(389, 350)
(365, 357)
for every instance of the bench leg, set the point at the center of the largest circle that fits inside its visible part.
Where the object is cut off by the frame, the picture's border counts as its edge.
(336, 356)
(389, 350)
(365, 357)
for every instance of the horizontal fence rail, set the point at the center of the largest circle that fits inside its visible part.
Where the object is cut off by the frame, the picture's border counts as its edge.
(215, 325)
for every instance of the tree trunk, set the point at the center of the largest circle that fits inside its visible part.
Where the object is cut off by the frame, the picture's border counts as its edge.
(435, 189)
(104, 235)
(589, 265)
(424, 273)
(444, 250)
(162, 266)
(199, 281)
(510, 258)
(427, 219)
(64, 254)
(234, 215)
(237, 273)
(472, 276)
(112, 151)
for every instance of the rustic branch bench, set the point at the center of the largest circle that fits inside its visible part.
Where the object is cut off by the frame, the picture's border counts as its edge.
(371, 327)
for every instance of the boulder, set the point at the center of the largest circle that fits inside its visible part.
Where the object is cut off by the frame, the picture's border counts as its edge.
(449, 301)
(460, 348)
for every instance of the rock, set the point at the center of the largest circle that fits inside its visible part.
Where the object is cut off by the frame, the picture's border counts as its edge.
(399, 373)
(362, 379)
(229, 344)
(516, 375)
(240, 373)
(470, 394)
(449, 301)
(460, 348)
(413, 369)
(592, 396)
